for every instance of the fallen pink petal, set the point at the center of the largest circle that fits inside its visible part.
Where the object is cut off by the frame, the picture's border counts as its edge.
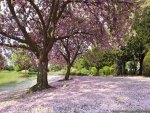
(83, 95)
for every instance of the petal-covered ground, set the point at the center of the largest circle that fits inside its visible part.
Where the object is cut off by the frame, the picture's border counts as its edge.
(83, 94)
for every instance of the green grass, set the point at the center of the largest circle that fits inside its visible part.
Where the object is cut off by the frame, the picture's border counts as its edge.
(61, 72)
(12, 77)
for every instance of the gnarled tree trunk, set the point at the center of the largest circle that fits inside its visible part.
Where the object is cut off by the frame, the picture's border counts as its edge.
(42, 82)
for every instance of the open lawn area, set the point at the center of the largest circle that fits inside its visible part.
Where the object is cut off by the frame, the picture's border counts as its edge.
(83, 94)
(12, 77)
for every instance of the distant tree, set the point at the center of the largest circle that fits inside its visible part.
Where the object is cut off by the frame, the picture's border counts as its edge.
(140, 41)
(73, 46)
(122, 55)
(2, 62)
(23, 59)
(99, 57)
(70, 49)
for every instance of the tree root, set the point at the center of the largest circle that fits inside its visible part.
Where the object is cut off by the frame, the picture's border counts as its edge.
(38, 87)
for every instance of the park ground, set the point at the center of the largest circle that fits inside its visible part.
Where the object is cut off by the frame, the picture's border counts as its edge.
(83, 94)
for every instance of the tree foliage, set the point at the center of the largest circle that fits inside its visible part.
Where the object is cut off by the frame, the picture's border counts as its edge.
(99, 57)
(38, 25)
(2, 62)
(23, 59)
(147, 64)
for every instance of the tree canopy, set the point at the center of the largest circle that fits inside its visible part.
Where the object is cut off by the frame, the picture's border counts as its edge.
(36, 25)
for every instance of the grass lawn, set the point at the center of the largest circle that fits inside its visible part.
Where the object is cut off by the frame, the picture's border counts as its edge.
(61, 72)
(12, 77)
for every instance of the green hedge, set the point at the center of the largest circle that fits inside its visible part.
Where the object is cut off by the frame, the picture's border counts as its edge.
(105, 71)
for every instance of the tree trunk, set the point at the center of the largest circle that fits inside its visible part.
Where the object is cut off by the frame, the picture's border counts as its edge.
(97, 71)
(42, 82)
(141, 66)
(124, 68)
(68, 72)
(134, 68)
(119, 67)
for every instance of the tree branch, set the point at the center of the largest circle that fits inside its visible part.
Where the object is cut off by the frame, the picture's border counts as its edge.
(38, 12)
(74, 33)
(30, 42)
(15, 46)
(12, 37)
(63, 55)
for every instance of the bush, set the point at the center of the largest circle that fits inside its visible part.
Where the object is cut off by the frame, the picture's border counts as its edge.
(74, 71)
(113, 70)
(146, 64)
(9, 68)
(106, 70)
(81, 63)
(17, 68)
(32, 69)
(101, 72)
(55, 68)
(84, 71)
(93, 70)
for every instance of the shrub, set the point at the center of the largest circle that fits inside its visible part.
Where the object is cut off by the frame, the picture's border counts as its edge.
(74, 71)
(93, 70)
(101, 72)
(32, 69)
(84, 71)
(17, 68)
(106, 70)
(146, 64)
(9, 68)
(113, 70)
(81, 63)
(55, 68)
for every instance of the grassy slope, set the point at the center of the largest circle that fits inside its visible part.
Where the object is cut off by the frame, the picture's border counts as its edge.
(12, 77)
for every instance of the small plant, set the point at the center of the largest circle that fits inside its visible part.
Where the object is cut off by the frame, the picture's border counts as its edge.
(93, 70)
(17, 68)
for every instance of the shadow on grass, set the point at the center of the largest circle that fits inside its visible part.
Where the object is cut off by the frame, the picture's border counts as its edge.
(8, 83)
